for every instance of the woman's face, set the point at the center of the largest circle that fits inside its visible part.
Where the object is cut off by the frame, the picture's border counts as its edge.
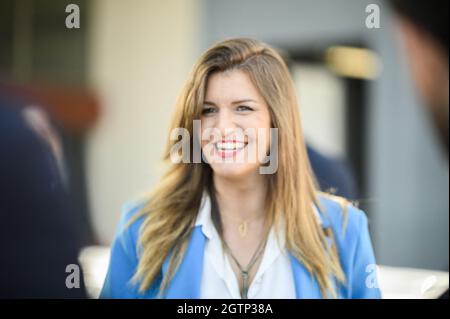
(235, 125)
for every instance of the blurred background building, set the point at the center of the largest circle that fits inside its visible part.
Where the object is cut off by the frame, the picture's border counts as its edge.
(112, 85)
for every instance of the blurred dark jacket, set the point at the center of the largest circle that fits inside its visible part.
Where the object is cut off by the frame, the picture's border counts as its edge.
(333, 174)
(37, 238)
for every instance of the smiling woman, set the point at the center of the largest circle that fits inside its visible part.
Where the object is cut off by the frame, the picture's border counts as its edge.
(233, 105)
(221, 227)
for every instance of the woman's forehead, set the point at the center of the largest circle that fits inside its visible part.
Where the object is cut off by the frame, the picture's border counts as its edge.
(231, 87)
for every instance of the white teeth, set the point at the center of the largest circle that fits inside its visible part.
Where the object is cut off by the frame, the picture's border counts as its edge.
(229, 145)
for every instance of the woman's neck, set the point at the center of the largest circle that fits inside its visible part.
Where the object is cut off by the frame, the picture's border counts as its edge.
(241, 199)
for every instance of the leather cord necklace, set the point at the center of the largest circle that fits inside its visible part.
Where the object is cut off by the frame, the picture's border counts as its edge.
(245, 272)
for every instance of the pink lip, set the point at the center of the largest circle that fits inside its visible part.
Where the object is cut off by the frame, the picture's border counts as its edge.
(229, 153)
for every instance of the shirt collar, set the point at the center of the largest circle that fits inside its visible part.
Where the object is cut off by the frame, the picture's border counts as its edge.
(204, 217)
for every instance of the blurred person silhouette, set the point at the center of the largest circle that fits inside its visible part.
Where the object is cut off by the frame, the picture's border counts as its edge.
(37, 237)
(333, 175)
(423, 30)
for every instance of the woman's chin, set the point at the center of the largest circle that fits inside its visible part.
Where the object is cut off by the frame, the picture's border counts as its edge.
(233, 170)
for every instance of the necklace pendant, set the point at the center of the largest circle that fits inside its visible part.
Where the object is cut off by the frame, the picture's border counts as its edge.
(244, 284)
(243, 229)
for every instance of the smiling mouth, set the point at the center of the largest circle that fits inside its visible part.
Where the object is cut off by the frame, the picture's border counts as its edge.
(229, 148)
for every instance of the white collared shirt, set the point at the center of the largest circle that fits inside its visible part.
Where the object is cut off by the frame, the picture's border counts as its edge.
(273, 279)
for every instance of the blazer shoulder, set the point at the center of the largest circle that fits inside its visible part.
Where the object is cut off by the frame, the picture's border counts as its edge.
(346, 220)
(128, 228)
(129, 211)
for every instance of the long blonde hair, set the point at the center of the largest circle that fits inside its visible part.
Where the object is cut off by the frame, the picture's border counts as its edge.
(172, 207)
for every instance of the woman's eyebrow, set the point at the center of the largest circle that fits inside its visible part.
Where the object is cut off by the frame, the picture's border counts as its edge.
(243, 101)
(234, 102)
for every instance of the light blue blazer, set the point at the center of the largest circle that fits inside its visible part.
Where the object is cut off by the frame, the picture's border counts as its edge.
(353, 244)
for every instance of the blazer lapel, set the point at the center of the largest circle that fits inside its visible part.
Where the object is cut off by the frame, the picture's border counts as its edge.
(306, 286)
(186, 281)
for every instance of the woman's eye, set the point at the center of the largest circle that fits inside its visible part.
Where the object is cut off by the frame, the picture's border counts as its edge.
(244, 108)
(208, 110)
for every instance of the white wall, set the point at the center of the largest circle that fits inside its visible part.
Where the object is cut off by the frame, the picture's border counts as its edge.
(140, 54)
(320, 95)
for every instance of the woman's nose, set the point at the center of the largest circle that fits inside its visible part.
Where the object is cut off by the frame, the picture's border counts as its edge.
(225, 122)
